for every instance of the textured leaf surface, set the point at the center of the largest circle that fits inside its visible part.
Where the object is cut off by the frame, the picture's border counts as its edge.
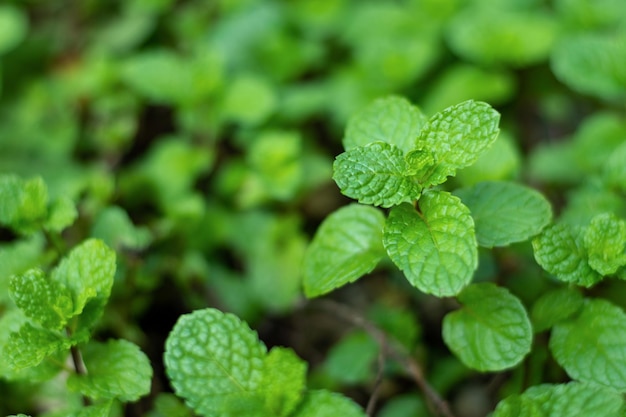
(35, 295)
(555, 306)
(605, 241)
(563, 400)
(347, 245)
(213, 360)
(390, 119)
(321, 403)
(375, 174)
(560, 250)
(591, 346)
(284, 381)
(117, 369)
(459, 134)
(491, 331)
(436, 249)
(30, 345)
(505, 212)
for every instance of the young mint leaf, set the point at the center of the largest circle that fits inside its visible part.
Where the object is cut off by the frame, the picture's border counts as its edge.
(390, 119)
(347, 245)
(459, 134)
(436, 246)
(605, 241)
(30, 345)
(591, 346)
(491, 331)
(559, 249)
(505, 212)
(284, 381)
(214, 360)
(61, 214)
(102, 409)
(322, 403)
(555, 306)
(24, 203)
(117, 369)
(375, 174)
(40, 300)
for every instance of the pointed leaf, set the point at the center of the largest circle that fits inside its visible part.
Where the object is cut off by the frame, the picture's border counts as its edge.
(30, 345)
(555, 306)
(346, 246)
(605, 241)
(284, 381)
(559, 249)
(375, 174)
(491, 331)
(390, 119)
(591, 346)
(214, 361)
(117, 369)
(321, 403)
(436, 249)
(505, 212)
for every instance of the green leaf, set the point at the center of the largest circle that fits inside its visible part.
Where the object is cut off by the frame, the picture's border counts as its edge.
(559, 249)
(284, 381)
(30, 345)
(24, 203)
(459, 134)
(40, 300)
(505, 212)
(391, 119)
(563, 400)
(13, 27)
(322, 403)
(347, 245)
(249, 100)
(102, 409)
(605, 241)
(61, 214)
(214, 360)
(115, 228)
(375, 174)
(591, 346)
(435, 247)
(350, 361)
(169, 405)
(491, 331)
(615, 170)
(117, 369)
(555, 306)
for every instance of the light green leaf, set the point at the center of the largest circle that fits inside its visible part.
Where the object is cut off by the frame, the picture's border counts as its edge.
(347, 245)
(459, 134)
(117, 369)
(615, 168)
(491, 331)
(102, 409)
(24, 203)
(40, 300)
(350, 361)
(13, 27)
(559, 249)
(284, 381)
(518, 406)
(390, 119)
(591, 346)
(214, 361)
(436, 246)
(555, 306)
(116, 229)
(250, 99)
(61, 214)
(322, 403)
(375, 174)
(605, 241)
(30, 345)
(505, 212)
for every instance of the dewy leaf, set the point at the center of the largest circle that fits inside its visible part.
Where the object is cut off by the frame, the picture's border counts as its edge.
(435, 247)
(375, 174)
(591, 346)
(117, 369)
(505, 212)
(40, 300)
(491, 331)
(555, 306)
(322, 403)
(390, 119)
(559, 249)
(605, 241)
(459, 134)
(24, 203)
(30, 345)
(347, 245)
(214, 360)
(284, 381)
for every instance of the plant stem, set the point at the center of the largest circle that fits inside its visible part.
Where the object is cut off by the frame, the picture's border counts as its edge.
(434, 400)
(79, 366)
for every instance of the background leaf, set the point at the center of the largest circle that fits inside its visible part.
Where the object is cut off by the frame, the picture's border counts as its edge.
(321, 403)
(491, 331)
(436, 247)
(555, 306)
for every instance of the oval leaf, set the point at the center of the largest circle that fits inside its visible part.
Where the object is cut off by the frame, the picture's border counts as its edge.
(505, 212)
(491, 332)
(347, 245)
(436, 249)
